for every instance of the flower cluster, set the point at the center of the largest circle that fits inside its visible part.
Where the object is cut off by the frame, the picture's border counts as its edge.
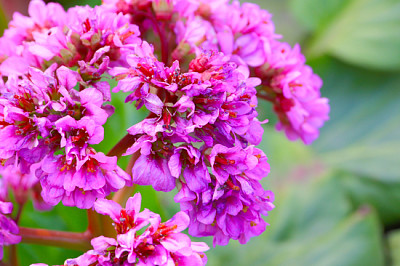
(8, 228)
(196, 67)
(84, 37)
(246, 34)
(201, 120)
(52, 116)
(159, 244)
(47, 122)
(231, 205)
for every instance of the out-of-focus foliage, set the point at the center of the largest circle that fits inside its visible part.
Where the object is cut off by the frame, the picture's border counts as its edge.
(71, 3)
(394, 244)
(362, 32)
(314, 224)
(336, 198)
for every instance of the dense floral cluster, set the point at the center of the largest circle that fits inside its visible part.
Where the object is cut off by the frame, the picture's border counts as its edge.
(159, 244)
(52, 116)
(46, 121)
(246, 34)
(200, 134)
(195, 67)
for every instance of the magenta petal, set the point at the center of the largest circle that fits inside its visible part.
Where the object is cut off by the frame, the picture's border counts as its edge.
(154, 104)
(175, 242)
(101, 243)
(6, 207)
(181, 220)
(108, 207)
(133, 203)
(67, 77)
(175, 165)
(14, 66)
(155, 172)
(200, 246)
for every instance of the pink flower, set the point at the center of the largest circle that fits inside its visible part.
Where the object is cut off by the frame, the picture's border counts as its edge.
(159, 244)
(79, 181)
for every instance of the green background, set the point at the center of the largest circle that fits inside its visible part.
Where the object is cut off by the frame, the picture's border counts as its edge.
(338, 200)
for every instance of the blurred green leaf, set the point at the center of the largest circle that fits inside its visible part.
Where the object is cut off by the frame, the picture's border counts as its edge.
(362, 32)
(59, 218)
(394, 245)
(71, 3)
(363, 134)
(29, 254)
(312, 14)
(313, 224)
(283, 155)
(384, 196)
(3, 20)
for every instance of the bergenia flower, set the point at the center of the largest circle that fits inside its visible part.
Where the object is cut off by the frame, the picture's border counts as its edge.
(159, 244)
(198, 68)
(79, 181)
(49, 123)
(232, 205)
(196, 115)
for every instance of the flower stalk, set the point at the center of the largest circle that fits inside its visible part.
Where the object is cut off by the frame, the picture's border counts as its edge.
(70, 240)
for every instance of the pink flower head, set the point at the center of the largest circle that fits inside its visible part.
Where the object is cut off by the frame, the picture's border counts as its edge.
(80, 181)
(214, 97)
(124, 219)
(44, 115)
(295, 92)
(159, 244)
(25, 31)
(232, 205)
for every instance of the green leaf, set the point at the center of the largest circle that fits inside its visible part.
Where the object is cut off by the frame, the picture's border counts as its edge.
(59, 218)
(362, 139)
(312, 14)
(394, 245)
(384, 196)
(313, 224)
(361, 32)
(71, 3)
(363, 134)
(29, 254)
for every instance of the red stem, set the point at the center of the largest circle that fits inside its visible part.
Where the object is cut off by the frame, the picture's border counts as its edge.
(94, 223)
(19, 212)
(122, 146)
(76, 241)
(161, 35)
(122, 195)
(13, 255)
